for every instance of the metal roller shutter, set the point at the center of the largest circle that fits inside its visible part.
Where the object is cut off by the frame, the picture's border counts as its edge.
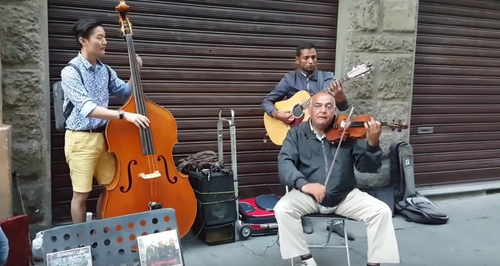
(200, 56)
(456, 92)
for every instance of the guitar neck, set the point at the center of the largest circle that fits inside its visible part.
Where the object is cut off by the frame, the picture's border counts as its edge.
(341, 80)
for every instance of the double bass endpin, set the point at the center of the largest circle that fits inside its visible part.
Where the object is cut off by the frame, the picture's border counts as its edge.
(155, 205)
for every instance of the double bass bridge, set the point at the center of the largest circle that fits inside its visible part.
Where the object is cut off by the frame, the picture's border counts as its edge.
(152, 175)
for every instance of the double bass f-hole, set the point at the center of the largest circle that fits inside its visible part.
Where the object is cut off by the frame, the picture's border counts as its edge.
(175, 178)
(129, 175)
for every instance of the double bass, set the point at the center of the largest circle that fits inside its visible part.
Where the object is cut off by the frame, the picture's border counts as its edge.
(146, 177)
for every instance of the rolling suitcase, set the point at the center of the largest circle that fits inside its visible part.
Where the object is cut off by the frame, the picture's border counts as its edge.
(259, 215)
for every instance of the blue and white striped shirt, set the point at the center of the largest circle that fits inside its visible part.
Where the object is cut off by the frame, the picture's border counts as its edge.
(92, 93)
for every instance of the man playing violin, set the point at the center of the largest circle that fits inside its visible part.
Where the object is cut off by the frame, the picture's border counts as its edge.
(305, 77)
(304, 161)
(85, 147)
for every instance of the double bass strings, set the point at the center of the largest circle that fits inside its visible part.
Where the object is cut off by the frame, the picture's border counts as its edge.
(146, 137)
(145, 133)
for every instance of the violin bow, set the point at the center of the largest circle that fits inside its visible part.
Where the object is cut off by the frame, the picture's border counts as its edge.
(348, 122)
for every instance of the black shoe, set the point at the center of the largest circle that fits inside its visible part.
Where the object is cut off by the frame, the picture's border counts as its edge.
(307, 225)
(339, 230)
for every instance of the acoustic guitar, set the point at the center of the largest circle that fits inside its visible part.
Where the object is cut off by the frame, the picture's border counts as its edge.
(298, 104)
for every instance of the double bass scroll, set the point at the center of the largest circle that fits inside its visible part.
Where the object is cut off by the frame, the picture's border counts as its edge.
(146, 177)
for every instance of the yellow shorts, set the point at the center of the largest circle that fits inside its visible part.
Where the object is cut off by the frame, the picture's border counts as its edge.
(87, 157)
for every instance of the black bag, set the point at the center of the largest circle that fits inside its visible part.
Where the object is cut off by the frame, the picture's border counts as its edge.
(419, 209)
(61, 115)
(402, 176)
(409, 203)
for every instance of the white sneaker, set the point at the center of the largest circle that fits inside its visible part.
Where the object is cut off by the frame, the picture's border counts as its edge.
(309, 262)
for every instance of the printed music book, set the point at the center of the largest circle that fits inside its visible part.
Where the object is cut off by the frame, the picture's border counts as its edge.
(160, 249)
(71, 257)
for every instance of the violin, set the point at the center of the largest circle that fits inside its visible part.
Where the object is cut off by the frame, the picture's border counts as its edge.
(146, 177)
(356, 128)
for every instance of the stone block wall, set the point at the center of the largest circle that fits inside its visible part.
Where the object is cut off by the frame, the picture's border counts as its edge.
(382, 32)
(25, 102)
(5, 176)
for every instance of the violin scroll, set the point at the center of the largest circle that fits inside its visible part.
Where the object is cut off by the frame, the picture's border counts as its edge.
(125, 25)
(399, 126)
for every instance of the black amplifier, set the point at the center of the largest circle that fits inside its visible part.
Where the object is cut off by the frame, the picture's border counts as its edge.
(216, 197)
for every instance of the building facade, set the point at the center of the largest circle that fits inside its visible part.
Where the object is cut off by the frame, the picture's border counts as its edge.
(434, 68)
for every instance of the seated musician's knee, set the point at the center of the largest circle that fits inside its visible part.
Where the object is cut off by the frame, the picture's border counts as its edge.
(282, 209)
(381, 210)
(385, 211)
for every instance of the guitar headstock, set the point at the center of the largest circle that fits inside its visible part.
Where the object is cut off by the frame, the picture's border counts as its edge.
(399, 126)
(125, 25)
(360, 70)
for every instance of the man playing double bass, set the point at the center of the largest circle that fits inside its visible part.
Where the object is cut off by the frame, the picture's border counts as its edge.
(89, 90)
(305, 77)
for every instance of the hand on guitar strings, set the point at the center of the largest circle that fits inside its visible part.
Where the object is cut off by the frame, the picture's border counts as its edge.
(337, 91)
(285, 117)
(139, 120)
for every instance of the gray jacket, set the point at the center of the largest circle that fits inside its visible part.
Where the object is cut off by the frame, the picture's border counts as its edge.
(294, 82)
(303, 159)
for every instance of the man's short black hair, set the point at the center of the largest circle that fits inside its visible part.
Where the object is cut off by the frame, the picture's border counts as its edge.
(84, 27)
(304, 46)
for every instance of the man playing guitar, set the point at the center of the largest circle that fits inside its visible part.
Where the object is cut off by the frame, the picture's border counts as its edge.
(305, 77)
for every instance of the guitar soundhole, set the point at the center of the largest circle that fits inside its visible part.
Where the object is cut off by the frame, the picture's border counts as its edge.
(297, 111)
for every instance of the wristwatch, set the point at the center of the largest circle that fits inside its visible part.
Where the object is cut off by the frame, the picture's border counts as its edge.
(120, 114)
